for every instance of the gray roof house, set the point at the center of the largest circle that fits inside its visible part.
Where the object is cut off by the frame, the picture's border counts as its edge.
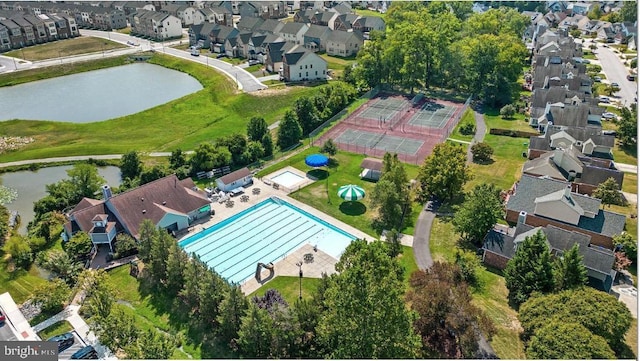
(294, 32)
(249, 23)
(271, 26)
(315, 39)
(542, 201)
(365, 24)
(344, 43)
(501, 245)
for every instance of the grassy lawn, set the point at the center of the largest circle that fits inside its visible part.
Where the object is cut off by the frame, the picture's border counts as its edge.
(153, 310)
(215, 111)
(507, 162)
(631, 338)
(322, 194)
(630, 183)
(519, 122)
(367, 12)
(467, 118)
(337, 64)
(20, 284)
(56, 329)
(625, 155)
(490, 296)
(67, 47)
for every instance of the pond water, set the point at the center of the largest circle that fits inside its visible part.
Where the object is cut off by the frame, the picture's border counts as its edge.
(31, 187)
(96, 95)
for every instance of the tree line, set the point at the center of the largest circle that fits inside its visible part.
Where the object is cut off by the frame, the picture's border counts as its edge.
(445, 45)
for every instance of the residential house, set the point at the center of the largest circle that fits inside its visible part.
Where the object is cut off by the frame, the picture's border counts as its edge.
(294, 32)
(542, 201)
(39, 28)
(299, 64)
(169, 203)
(258, 44)
(223, 16)
(156, 25)
(15, 33)
(606, 32)
(238, 179)
(249, 23)
(585, 173)
(366, 24)
(109, 19)
(501, 245)
(315, 39)
(242, 44)
(270, 9)
(199, 34)
(49, 26)
(580, 8)
(185, 13)
(274, 51)
(62, 27)
(304, 15)
(5, 38)
(323, 17)
(219, 36)
(590, 141)
(271, 26)
(344, 43)
(575, 114)
(343, 22)
(27, 30)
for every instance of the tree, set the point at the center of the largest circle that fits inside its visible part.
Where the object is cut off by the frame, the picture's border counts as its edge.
(85, 179)
(365, 314)
(177, 159)
(530, 270)
(130, 165)
(595, 13)
(610, 89)
(232, 309)
(60, 265)
(481, 152)
(118, 331)
(629, 11)
(306, 114)
(236, 144)
(270, 300)
(79, 246)
(395, 247)
(125, 246)
(507, 111)
(448, 322)
(253, 152)
(569, 270)
(4, 223)
(622, 262)
(176, 259)
(608, 192)
(256, 129)
(18, 248)
(628, 128)
(390, 196)
(443, 173)
(52, 296)
(146, 239)
(289, 131)
(207, 156)
(254, 335)
(567, 340)
(329, 147)
(627, 244)
(480, 211)
(156, 172)
(151, 345)
(267, 144)
(469, 263)
(599, 312)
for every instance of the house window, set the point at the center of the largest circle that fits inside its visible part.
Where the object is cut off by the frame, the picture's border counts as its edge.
(311, 66)
(300, 67)
(305, 66)
(316, 73)
(307, 74)
(299, 75)
(322, 72)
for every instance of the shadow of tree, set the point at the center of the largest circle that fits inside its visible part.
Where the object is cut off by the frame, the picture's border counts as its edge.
(351, 208)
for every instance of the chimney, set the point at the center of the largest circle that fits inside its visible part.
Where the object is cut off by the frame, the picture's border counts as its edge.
(567, 191)
(106, 192)
(522, 217)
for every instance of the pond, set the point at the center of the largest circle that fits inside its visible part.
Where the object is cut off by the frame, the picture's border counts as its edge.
(30, 186)
(96, 95)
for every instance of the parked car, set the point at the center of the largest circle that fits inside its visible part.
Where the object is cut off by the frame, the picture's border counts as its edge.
(64, 341)
(85, 353)
(2, 318)
(597, 79)
(253, 62)
(603, 99)
(631, 77)
(615, 85)
(609, 132)
(608, 115)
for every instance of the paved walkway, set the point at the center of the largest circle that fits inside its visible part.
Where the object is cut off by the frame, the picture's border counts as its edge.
(627, 168)
(421, 238)
(481, 130)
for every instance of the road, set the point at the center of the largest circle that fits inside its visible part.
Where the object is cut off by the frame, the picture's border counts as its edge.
(617, 72)
(244, 80)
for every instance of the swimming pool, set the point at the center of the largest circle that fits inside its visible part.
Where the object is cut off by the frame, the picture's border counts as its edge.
(265, 232)
(287, 179)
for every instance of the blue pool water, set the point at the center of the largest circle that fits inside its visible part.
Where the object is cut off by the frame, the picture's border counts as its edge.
(265, 232)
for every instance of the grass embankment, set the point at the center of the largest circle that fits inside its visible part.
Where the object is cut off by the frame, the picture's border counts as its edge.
(57, 328)
(215, 111)
(153, 310)
(467, 118)
(20, 283)
(322, 194)
(62, 48)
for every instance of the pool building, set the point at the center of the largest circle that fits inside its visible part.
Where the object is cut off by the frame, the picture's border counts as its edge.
(266, 232)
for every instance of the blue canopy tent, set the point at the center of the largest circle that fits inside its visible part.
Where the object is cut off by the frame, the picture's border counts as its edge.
(316, 160)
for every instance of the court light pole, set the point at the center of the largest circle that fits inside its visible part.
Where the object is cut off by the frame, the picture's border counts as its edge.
(299, 264)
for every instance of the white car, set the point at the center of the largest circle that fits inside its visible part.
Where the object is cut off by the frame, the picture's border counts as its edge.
(609, 116)
(603, 99)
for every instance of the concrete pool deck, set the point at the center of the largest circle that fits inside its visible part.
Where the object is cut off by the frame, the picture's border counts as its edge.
(322, 262)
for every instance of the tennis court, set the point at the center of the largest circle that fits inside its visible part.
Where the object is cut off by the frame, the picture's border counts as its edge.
(433, 115)
(388, 143)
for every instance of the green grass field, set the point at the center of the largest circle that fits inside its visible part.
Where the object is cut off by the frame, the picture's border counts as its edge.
(55, 329)
(20, 284)
(63, 48)
(630, 183)
(507, 162)
(215, 111)
(467, 118)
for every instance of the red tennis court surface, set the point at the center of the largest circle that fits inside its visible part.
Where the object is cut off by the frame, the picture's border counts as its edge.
(408, 126)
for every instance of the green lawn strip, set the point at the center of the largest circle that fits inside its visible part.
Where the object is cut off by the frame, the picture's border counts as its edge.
(20, 283)
(625, 155)
(408, 261)
(55, 329)
(491, 296)
(183, 123)
(64, 48)
(507, 162)
(631, 338)
(367, 12)
(630, 183)
(334, 62)
(519, 122)
(289, 287)
(467, 118)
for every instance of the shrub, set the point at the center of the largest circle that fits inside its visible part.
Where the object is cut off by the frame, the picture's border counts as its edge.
(482, 152)
(508, 111)
(468, 129)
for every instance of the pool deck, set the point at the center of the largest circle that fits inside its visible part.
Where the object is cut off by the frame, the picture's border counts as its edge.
(321, 263)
